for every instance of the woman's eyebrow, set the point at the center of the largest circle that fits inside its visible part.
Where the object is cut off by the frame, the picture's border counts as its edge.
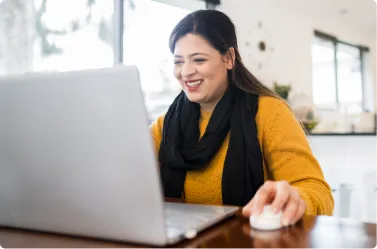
(191, 55)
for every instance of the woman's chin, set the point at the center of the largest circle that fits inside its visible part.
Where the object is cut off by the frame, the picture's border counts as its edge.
(195, 97)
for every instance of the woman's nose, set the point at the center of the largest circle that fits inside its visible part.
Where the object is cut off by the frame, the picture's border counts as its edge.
(187, 70)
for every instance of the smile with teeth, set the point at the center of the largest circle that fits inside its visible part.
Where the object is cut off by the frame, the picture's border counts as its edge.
(194, 83)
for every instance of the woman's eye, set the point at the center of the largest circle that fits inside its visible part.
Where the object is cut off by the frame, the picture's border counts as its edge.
(199, 60)
(178, 62)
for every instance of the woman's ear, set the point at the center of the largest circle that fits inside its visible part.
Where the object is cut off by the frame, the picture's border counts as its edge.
(230, 58)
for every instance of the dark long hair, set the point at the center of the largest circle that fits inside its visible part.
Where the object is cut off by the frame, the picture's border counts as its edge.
(218, 29)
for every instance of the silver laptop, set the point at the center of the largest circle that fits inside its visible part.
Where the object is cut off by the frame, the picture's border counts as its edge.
(77, 157)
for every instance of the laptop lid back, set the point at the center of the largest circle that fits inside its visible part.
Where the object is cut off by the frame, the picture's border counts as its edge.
(76, 156)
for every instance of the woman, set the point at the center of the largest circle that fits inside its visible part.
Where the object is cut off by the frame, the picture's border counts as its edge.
(226, 138)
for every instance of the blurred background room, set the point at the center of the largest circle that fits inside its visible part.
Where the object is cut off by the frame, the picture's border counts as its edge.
(320, 55)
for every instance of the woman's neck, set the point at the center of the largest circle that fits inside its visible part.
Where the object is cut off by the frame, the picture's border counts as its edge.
(208, 107)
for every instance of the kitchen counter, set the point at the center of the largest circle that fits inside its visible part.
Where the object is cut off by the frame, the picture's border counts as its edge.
(343, 134)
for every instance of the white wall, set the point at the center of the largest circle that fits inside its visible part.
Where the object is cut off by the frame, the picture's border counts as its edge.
(290, 33)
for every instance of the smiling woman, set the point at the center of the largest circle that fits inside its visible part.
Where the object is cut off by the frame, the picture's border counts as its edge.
(201, 70)
(228, 139)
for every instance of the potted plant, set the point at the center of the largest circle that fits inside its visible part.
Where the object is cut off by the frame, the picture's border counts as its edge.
(282, 90)
(310, 122)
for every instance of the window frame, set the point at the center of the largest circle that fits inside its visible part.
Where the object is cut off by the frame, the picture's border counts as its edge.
(119, 20)
(185, 4)
(362, 50)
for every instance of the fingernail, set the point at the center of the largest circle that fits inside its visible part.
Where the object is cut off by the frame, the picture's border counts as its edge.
(285, 223)
(275, 210)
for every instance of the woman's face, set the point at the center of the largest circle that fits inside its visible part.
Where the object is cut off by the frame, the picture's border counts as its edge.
(201, 70)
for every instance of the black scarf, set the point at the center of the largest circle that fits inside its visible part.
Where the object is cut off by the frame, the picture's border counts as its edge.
(181, 150)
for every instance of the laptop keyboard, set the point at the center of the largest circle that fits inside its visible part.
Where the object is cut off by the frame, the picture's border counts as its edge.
(174, 232)
(185, 217)
(185, 220)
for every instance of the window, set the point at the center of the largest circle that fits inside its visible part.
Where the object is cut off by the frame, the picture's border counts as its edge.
(338, 74)
(190, 4)
(324, 73)
(147, 27)
(55, 35)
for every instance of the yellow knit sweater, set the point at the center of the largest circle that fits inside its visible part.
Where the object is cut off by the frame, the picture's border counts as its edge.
(286, 154)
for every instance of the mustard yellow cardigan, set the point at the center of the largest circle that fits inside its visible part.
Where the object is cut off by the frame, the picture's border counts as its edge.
(286, 153)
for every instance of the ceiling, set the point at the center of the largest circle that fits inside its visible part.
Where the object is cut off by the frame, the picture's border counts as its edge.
(359, 14)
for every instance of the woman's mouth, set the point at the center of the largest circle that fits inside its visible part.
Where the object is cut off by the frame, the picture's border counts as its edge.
(193, 85)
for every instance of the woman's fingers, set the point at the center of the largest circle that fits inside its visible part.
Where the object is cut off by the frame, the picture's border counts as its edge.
(264, 196)
(300, 212)
(265, 193)
(282, 195)
(290, 209)
(246, 210)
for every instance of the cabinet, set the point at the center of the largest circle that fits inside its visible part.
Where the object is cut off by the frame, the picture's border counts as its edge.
(349, 160)
(370, 192)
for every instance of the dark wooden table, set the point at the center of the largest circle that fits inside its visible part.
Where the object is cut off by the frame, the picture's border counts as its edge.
(321, 231)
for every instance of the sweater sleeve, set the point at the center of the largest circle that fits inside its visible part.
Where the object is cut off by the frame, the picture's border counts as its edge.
(289, 157)
(156, 130)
